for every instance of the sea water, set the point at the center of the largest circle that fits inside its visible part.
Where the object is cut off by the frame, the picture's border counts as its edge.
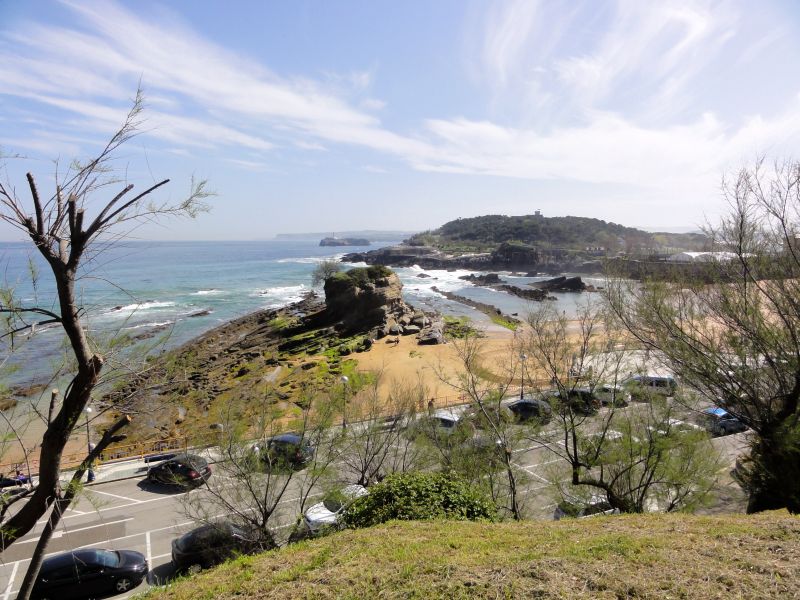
(188, 288)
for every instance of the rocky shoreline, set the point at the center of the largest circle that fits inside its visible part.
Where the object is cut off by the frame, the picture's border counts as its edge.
(506, 257)
(487, 309)
(279, 352)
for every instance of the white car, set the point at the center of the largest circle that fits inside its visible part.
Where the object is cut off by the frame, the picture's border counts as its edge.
(326, 513)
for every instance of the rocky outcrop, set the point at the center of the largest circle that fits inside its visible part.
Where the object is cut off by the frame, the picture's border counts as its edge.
(487, 279)
(562, 284)
(426, 257)
(487, 309)
(527, 294)
(514, 255)
(371, 298)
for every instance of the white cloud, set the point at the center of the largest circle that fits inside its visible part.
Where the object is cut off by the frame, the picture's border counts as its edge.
(610, 96)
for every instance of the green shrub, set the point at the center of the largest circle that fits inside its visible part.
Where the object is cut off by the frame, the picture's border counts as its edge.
(419, 496)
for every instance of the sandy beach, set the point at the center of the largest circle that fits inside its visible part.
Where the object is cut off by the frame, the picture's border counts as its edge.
(407, 362)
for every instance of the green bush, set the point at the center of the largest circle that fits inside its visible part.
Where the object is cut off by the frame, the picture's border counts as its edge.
(416, 497)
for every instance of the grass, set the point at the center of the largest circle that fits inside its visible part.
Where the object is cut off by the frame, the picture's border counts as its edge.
(637, 556)
(503, 322)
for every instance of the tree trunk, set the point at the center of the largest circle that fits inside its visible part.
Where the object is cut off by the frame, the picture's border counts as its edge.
(62, 504)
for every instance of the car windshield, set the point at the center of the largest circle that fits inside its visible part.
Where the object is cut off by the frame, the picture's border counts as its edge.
(105, 558)
(334, 504)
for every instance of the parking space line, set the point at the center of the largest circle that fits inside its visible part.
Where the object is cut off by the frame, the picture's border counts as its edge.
(135, 503)
(133, 500)
(528, 470)
(11, 578)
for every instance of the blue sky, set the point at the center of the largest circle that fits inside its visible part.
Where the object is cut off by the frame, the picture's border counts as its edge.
(329, 116)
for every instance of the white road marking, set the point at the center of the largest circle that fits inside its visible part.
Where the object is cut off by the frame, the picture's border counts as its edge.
(105, 508)
(149, 550)
(61, 532)
(134, 500)
(11, 581)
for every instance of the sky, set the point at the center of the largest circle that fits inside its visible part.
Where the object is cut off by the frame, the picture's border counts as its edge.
(333, 116)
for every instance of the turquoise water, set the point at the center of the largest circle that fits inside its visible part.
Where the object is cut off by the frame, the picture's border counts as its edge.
(136, 286)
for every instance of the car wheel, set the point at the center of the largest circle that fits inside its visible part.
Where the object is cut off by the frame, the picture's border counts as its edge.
(124, 584)
(194, 568)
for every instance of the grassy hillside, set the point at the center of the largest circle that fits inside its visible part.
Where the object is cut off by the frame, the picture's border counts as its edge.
(486, 232)
(641, 556)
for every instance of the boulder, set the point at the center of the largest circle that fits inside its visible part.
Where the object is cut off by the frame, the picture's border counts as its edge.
(487, 279)
(411, 329)
(423, 275)
(430, 336)
(562, 284)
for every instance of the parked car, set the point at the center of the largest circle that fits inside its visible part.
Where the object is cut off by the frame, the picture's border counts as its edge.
(286, 451)
(531, 409)
(612, 395)
(89, 573)
(580, 400)
(676, 425)
(211, 544)
(326, 514)
(718, 422)
(442, 422)
(391, 423)
(497, 415)
(575, 508)
(186, 471)
(642, 387)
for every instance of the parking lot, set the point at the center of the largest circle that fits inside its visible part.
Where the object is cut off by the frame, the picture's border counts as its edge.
(132, 514)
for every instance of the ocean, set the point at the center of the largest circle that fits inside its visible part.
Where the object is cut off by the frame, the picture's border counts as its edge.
(192, 287)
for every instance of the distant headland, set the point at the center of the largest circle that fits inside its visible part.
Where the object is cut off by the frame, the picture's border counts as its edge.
(373, 235)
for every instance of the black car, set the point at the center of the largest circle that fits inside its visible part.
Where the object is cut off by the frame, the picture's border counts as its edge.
(185, 471)
(532, 409)
(719, 422)
(580, 400)
(212, 544)
(288, 450)
(89, 573)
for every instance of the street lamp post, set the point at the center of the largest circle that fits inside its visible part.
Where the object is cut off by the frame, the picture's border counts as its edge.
(344, 381)
(522, 359)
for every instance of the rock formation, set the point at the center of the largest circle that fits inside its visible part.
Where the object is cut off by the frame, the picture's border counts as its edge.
(371, 298)
(562, 284)
(487, 279)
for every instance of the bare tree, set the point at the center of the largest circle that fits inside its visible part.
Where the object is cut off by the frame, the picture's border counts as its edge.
(66, 229)
(258, 478)
(639, 456)
(374, 444)
(731, 329)
(485, 444)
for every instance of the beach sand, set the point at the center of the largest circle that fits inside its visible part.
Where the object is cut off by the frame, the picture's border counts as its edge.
(409, 362)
